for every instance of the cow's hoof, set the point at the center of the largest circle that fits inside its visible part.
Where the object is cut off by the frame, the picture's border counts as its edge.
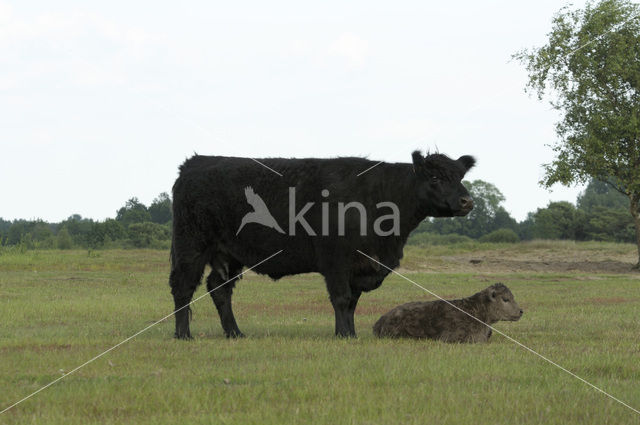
(183, 336)
(235, 334)
(346, 335)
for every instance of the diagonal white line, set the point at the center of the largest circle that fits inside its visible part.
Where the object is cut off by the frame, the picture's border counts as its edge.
(503, 334)
(136, 334)
(370, 168)
(265, 166)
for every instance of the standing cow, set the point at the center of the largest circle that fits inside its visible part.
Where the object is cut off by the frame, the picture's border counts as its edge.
(232, 213)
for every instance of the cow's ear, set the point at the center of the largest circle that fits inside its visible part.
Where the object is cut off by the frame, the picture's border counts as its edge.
(467, 161)
(418, 160)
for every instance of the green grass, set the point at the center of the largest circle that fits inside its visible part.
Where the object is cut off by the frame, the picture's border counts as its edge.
(59, 309)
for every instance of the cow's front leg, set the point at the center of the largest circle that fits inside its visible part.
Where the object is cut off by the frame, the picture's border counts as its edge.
(355, 296)
(341, 299)
(341, 309)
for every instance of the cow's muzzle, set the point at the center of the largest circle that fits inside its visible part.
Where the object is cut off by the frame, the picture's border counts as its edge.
(466, 205)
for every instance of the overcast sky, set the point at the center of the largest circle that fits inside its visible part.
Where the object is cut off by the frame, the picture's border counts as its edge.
(101, 102)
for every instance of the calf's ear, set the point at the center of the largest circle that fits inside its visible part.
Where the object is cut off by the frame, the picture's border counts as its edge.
(467, 161)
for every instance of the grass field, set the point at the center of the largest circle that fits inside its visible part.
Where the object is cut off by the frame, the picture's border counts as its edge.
(58, 309)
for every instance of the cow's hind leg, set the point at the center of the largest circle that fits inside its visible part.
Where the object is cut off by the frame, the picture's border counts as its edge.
(221, 282)
(185, 277)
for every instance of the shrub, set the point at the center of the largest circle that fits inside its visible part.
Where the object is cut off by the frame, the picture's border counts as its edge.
(149, 235)
(501, 236)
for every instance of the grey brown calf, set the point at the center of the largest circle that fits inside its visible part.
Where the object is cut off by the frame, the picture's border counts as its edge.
(439, 320)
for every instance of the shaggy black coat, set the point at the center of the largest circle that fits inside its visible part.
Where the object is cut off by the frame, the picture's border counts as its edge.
(210, 201)
(442, 321)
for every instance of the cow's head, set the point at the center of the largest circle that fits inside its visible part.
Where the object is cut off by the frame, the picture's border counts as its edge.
(440, 189)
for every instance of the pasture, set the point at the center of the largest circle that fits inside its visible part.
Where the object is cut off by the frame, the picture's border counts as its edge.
(58, 309)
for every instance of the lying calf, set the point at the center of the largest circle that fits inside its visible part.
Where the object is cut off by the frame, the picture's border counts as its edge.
(439, 320)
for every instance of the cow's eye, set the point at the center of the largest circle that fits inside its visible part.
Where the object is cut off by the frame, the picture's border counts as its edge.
(434, 179)
(505, 300)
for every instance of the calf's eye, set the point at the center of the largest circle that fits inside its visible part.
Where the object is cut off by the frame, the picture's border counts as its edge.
(505, 300)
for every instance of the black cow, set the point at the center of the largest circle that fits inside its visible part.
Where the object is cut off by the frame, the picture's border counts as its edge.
(232, 213)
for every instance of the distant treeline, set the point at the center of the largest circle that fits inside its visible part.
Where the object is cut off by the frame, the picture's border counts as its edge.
(601, 213)
(135, 226)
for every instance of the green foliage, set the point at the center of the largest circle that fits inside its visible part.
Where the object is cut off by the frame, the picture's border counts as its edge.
(106, 232)
(503, 220)
(609, 224)
(607, 213)
(487, 214)
(602, 194)
(77, 231)
(591, 65)
(501, 236)
(160, 209)
(560, 220)
(4, 230)
(30, 234)
(16, 231)
(134, 211)
(63, 239)
(79, 228)
(41, 231)
(148, 234)
(598, 217)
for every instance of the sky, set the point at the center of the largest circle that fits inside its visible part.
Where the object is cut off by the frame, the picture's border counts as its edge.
(102, 101)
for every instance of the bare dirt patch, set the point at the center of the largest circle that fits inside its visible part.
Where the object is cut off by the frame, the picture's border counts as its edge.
(608, 301)
(533, 260)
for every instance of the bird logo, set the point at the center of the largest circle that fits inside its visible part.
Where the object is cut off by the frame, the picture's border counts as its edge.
(260, 213)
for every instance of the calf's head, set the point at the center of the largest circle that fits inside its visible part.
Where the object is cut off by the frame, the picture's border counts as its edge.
(440, 189)
(501, 303)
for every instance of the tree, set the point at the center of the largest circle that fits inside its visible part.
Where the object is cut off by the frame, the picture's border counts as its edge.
(486, 203)
(109, 230)
(503, 220)
(41, 231)
(4, 229)
(560, 220)
(79, 228)
(134, 211)
(486, 216)
(601, 194)
(609, 224)
(63, 239)
(591, 65)
(15, 232)
(160, 209)
(607, 213)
